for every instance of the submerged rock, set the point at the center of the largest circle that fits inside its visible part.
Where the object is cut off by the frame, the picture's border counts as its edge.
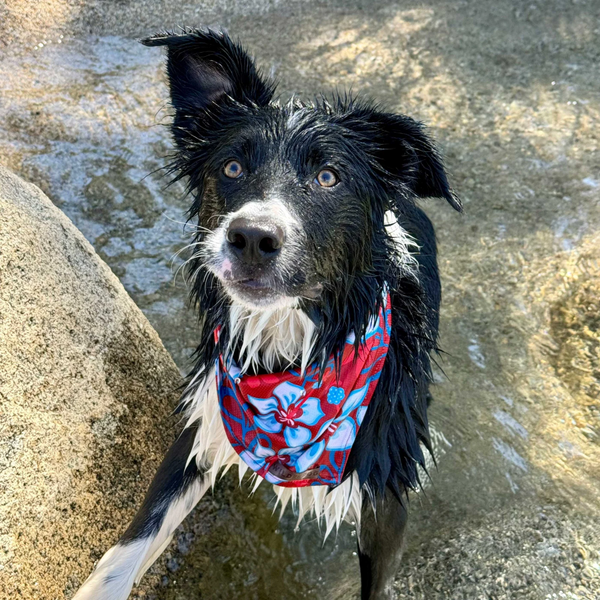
(86, 389)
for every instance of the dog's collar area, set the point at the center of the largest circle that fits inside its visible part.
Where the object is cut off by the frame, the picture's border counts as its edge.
(295, 428)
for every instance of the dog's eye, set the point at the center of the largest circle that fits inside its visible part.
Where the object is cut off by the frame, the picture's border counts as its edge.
(232, 169)
(326, 178)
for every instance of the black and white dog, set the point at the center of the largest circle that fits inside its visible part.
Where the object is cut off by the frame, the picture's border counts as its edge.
(306, 218)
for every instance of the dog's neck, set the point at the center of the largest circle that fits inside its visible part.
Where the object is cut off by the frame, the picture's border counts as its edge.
(270, 339)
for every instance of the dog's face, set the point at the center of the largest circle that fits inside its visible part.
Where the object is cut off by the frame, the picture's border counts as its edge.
(290, 199)
(281, 206)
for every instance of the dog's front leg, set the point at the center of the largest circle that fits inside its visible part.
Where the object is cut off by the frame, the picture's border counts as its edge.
(175, 490)
(380, 545)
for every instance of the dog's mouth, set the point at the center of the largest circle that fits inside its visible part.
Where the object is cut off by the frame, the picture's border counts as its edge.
(253, 284)
(256, 291)
(261, 292)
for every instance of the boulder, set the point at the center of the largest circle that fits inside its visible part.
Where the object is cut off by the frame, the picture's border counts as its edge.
(86, 393)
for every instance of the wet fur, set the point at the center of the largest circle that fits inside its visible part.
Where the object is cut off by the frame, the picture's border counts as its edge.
(350, 242)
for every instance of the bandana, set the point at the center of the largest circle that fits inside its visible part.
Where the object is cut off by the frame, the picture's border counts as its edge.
(293, 430)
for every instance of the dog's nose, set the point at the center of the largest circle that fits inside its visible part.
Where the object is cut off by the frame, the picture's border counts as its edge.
(255, 242)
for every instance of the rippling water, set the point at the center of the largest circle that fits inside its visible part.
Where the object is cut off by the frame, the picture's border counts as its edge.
(512, 92)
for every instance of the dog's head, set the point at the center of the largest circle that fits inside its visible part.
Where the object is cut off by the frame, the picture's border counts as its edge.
(290, 200)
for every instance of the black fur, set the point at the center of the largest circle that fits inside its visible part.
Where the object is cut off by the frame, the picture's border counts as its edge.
(380, 546)
(224, 108)
(170, 481)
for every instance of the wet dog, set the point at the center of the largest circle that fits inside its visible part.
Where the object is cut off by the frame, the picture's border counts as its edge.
(308, 232)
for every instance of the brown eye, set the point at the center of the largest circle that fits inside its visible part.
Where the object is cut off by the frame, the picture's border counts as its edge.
(326, 178)
(232, 169)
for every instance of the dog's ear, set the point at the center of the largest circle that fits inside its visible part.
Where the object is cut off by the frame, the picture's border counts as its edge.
(406, 152)
(205, 68)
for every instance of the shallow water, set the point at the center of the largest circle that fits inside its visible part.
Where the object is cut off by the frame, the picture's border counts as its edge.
(512, 92)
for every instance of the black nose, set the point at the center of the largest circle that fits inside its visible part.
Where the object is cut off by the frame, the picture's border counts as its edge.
(255, 242)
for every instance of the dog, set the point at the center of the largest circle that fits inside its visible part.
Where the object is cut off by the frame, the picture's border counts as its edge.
(315, 275)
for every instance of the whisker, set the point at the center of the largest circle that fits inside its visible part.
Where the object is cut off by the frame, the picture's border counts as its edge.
(176, 255)
(188, 224)
(195, 256)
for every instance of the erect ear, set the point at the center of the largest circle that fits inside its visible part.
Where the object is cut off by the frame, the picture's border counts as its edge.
(407, 152)
(206, 67)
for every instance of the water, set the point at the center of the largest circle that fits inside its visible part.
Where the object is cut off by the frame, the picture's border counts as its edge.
(512, 92)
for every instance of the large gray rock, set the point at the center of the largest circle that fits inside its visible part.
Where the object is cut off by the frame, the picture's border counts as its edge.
(86, 388)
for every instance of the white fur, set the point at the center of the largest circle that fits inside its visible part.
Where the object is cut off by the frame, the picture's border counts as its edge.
(125, 564)
(277, 335)
(121, 563)
(406, 245)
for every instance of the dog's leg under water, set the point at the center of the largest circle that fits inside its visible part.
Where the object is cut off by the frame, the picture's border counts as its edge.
(380, 545)
(174, 492)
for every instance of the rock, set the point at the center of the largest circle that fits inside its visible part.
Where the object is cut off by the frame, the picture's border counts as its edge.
(86, 389)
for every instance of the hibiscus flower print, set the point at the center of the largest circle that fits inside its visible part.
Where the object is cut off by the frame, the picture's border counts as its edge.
(286, 412)
(344, 426)
(260, 456)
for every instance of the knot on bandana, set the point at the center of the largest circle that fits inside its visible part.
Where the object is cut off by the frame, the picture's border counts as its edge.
(292, 429)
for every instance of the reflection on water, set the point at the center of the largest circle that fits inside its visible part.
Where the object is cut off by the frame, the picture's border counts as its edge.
(513, 508)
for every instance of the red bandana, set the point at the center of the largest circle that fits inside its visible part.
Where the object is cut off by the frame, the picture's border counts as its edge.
(289, 429)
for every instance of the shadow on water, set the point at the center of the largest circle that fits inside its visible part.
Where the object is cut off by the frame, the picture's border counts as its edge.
(511, 91)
